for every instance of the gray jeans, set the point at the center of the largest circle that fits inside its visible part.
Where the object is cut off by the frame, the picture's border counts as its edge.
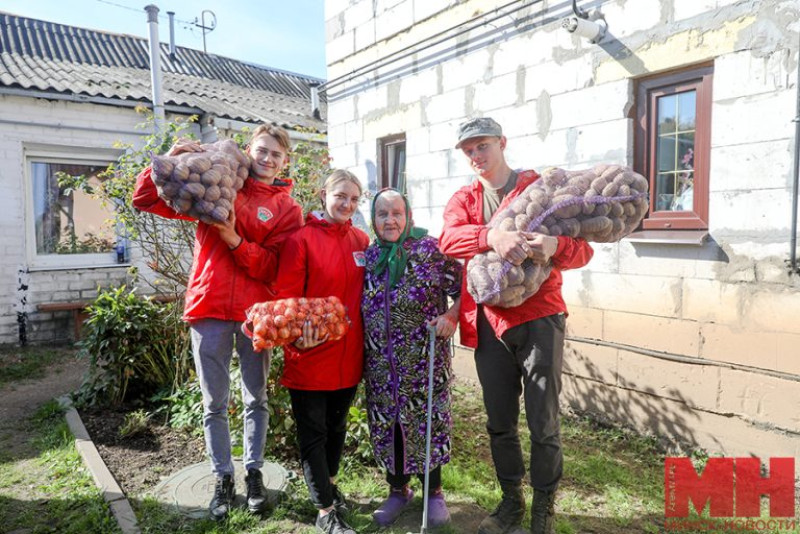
(527, 363)
(213, 341)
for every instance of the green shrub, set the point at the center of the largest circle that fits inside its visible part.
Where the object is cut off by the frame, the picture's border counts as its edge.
(136, 347)
(185, 411)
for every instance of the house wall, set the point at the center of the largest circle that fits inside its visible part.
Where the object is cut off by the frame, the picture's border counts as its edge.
(698, 343)
(23, 286)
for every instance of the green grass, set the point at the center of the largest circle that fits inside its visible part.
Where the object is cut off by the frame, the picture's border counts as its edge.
(29, 362)
(52, 492)
(613, 483)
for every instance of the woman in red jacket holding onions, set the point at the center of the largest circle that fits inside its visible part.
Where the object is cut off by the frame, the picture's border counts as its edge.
(325, 258)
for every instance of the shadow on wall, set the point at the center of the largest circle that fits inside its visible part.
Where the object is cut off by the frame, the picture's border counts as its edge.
(605, 394)
(709, 251)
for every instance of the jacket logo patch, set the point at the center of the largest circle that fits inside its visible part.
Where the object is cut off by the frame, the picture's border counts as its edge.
(264, 214)
(360, 259)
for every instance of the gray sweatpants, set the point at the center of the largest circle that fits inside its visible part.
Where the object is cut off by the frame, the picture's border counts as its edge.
(213, 341)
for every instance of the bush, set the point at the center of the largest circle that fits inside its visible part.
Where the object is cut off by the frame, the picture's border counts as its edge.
(136, 347)
(185, 408)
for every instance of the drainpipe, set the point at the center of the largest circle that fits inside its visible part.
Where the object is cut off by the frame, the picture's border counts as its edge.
(314, 86)
(171, 35)
(793, 251)
(155, 66)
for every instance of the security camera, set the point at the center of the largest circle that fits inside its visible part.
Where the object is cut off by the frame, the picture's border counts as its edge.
(592, 30)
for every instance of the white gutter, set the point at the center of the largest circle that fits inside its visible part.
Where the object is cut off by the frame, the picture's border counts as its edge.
(232, 124)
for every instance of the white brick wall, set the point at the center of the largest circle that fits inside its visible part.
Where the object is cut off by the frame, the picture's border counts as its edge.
(588, 93)
(64, 124)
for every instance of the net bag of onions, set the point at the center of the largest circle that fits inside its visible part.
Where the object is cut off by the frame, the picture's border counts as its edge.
(602, 204)
(202, 185)
(279, 322)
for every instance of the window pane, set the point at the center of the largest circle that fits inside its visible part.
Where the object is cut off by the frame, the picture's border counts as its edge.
(685, 151)
(665, 153)
(666, 114)
(68, 219)
(665, 191)
(687, 110)
(399, 168)
(684, 192)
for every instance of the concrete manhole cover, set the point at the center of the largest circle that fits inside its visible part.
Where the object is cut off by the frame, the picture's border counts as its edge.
(190, 489)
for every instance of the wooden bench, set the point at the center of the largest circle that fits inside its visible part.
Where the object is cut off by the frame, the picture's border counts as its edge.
(78, 309)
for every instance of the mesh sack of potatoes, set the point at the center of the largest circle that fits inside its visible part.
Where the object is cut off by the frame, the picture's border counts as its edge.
(203, 184)
(602, 204)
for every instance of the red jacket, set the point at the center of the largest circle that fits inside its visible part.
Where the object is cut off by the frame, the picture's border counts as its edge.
(223, 283)
(321, 260)
(464, 236)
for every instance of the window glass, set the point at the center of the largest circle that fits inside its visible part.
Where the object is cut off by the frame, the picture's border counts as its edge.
(675, 152)
(67, 218)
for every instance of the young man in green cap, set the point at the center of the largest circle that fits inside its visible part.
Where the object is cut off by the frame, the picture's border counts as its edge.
(518, 351)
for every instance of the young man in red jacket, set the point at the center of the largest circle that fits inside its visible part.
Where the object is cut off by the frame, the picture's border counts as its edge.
(233, 263)
(518, 350)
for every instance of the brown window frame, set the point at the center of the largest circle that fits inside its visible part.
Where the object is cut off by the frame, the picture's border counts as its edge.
(384, 145)
(648, 90)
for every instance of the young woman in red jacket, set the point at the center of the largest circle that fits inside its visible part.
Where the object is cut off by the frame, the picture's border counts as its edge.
(233, 263)
(324, 258)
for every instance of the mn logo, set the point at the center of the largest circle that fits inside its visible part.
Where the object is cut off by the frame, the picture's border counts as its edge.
(264, 214)
(360, 259)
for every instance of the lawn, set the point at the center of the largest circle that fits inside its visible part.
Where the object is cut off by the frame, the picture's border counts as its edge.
(613, 481)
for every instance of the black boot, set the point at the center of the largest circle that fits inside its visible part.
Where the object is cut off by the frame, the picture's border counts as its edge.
(221, 503)
(339, 502)
(542, 512)
(333, 523)
(508, 514)
(256, 492)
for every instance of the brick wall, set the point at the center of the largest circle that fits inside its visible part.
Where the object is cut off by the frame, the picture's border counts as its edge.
(25, 122)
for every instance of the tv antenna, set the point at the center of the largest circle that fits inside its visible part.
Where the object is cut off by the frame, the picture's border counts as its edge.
(206, 27)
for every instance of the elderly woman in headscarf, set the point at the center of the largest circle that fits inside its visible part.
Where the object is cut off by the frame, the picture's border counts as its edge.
(406, 289)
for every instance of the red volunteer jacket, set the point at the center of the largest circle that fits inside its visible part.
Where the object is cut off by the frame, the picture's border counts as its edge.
(321, 260)
(464, 236)
(223, 283)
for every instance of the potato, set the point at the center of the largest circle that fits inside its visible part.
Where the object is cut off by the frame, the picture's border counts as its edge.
(180, 172)
(210, 177)
(199, 163)
(212, 193)
(196, 190)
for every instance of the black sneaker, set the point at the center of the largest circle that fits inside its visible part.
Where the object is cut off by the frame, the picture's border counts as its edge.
(221, 503)
(256, 492)
(333, 524)
(339, 502)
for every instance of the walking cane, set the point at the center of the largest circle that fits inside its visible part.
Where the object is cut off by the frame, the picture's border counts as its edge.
(431, 353)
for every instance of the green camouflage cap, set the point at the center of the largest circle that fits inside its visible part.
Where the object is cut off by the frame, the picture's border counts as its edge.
(480, 127)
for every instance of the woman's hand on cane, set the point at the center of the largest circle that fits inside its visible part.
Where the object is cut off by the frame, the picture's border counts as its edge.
(444, 325)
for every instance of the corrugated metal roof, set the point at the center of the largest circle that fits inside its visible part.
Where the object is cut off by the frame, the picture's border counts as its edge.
(50, 57)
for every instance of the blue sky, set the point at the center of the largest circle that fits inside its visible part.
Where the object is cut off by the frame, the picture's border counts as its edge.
(288, 35)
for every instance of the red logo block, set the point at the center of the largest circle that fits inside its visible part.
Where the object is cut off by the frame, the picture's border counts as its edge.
(732, 487)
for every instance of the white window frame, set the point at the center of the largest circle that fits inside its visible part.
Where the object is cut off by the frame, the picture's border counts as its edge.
(34, 152)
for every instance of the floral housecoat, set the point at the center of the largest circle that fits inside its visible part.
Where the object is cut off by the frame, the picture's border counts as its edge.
(396, 365)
